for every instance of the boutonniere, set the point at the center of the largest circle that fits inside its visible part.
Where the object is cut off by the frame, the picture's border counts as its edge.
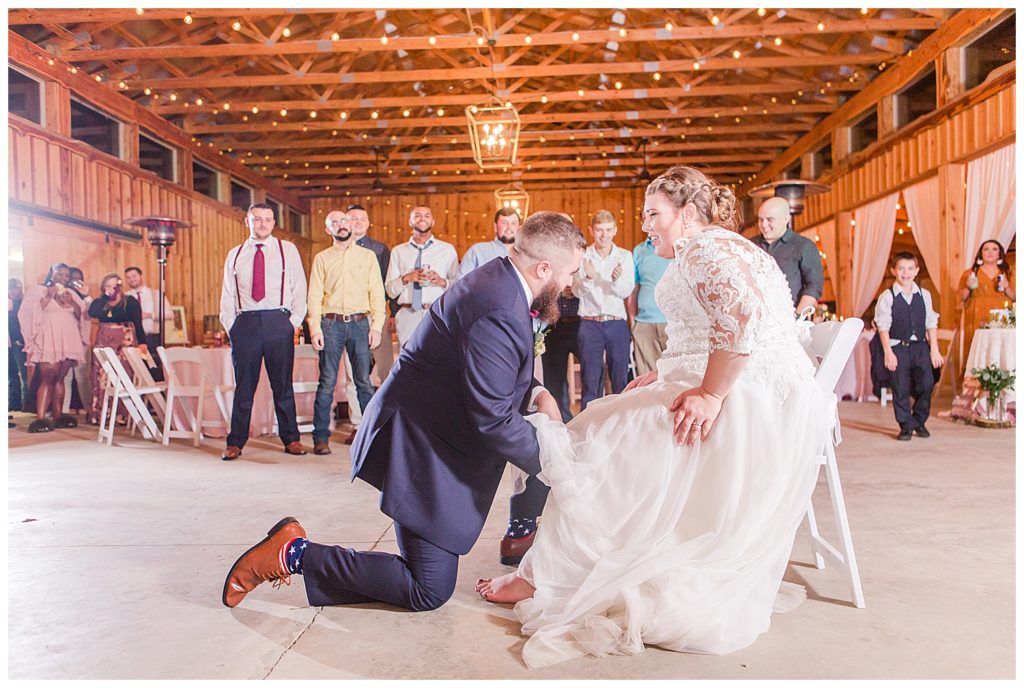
(540, 331)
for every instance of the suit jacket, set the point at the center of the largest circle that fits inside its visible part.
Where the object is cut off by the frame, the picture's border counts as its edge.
(436, 436)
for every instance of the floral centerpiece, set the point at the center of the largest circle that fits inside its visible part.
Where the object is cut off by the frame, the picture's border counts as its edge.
(994, 381)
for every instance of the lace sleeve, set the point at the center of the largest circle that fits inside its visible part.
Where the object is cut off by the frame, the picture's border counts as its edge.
(724, 277)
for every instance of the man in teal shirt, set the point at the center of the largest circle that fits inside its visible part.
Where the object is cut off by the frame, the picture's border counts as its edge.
(647, 322)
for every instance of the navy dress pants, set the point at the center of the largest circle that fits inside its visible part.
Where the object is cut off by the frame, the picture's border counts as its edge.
(913, 377)
(421, 579)
(263, 337)
(598, 341)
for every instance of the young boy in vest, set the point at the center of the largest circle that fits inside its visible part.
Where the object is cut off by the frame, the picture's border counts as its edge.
(907, 326)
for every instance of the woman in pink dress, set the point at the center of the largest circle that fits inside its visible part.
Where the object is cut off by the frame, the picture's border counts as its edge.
(50, 319)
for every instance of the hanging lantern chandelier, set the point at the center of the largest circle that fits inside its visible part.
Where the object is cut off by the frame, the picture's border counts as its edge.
(513, 196)
(494, 132)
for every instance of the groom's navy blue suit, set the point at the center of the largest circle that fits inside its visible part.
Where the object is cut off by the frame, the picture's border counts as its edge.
(435, 440)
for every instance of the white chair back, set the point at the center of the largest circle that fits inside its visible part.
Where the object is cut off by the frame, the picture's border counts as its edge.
(831, 346)
(176, 359)
(126, 391)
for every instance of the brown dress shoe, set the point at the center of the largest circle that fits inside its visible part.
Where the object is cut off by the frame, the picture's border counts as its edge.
(351, 437)
(294, 448)
(230, 453)
(513, 549)
(321, 448)
(261, 563)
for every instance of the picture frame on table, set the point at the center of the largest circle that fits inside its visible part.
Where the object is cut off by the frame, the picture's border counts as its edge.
(177, 327)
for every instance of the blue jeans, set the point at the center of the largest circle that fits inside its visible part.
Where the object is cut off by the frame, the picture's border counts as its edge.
(598, 341)
(340, 337)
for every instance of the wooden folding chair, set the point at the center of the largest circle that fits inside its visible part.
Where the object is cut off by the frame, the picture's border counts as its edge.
(831, 346)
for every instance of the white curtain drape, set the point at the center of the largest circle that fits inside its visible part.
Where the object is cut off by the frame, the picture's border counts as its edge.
(923, 210)
(872, 240)
(991, 201)
(827, 232)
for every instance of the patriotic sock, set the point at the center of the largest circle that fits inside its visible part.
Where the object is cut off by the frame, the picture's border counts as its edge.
(521, 527)
(293, 551)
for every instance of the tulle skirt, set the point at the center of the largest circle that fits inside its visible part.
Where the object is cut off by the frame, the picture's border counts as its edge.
(646, 542)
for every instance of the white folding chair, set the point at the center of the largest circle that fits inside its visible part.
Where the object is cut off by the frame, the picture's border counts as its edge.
(305, 353)
(121, 388)
(176, 360)
(831, 345)
(144, 379)
(220, 390)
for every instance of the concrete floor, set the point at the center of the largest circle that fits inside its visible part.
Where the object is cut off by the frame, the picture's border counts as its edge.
(117, 558)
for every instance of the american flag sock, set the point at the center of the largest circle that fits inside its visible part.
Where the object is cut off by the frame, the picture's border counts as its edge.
(293, 552)
(520, 527)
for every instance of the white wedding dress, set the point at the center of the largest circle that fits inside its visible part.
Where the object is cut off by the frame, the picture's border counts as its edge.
(643, 541)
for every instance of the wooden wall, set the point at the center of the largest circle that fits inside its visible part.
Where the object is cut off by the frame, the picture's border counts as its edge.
(979, 122)
(69, 178)
(464, 219)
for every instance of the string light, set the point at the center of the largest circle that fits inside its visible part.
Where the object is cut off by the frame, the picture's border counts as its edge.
(821, 26)
(528, 40)
(405, 113)
(432, 40)
(374, 114)
(227, 106)
(657, 76)
(575, 36)
(284, 113)
(863, 10)
(255, 110)
(618, 85)
(668, 26)
(544, 99)
(312, 114)
(236, 25)
(622, 33)
(777, 41)
(761, 11)
(736, 54)
(696, 66)
(99, 78)
(188, 18)
(286, 32)
(480, 40)
(335, 36)
(440, 112)
(580, 92)
(344, 115)
(715, 20)
(173, 97)
(148, 91)
(139, 11)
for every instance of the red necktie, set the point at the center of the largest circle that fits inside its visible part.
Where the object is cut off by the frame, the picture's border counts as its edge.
(259, 272)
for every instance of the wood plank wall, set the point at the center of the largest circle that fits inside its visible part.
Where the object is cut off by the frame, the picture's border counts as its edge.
(73, 179)
(464, 219)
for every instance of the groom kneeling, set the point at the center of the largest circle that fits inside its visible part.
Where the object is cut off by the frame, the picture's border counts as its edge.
(437, 435)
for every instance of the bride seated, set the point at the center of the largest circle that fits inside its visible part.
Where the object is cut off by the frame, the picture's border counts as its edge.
(674, 505)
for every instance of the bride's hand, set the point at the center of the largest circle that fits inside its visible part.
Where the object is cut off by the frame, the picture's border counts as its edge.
(642, 381)
(696, 412)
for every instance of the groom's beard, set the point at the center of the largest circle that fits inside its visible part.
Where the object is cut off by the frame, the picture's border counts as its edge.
(343, 235)
(546, 303)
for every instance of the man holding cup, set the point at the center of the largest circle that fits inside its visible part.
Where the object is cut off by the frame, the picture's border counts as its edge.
(419, 272)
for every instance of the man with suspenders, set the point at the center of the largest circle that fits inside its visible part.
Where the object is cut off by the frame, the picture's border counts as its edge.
(262, 303)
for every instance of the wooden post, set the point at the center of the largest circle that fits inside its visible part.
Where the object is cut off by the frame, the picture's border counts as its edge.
(950, 74)
(57, 108)
(952, 230)
(887, 122)
(130, 143)
(844, 265)
(184, 160)
(841, 144)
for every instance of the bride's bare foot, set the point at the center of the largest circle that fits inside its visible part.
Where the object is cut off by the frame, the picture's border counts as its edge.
(507, 589)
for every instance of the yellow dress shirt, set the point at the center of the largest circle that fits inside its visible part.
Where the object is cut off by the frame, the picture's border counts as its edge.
(346, 281)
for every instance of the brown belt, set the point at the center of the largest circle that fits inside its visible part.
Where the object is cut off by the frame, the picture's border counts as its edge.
(600, 318)
(345, 318)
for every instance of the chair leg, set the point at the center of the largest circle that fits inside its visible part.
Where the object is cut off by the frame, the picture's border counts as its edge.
(843, 527)
(168, 417)
(198, 425)
(812, 526)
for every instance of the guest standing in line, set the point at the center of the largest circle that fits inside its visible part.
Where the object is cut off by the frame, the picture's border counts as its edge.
(262, 303)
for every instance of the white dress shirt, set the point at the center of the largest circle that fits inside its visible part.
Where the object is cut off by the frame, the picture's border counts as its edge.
(294, 298)
(601, 295)
(883, 309)
(439, 255)
(148, 299)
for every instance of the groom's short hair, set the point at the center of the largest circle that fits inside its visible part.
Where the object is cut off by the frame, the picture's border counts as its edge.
(544, 233)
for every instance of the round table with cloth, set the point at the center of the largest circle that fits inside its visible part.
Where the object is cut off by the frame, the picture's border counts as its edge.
(996, 345)
(217, 364)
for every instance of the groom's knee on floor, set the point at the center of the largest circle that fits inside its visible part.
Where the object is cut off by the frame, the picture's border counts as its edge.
(425, 600)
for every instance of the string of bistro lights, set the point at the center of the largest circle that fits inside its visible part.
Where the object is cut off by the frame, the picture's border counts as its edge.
(617, 28)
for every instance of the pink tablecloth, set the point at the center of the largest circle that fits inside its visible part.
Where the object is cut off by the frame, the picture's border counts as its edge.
(218, 367)
(855, 381)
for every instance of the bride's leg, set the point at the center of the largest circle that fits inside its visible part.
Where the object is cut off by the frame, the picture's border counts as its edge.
(507, 589)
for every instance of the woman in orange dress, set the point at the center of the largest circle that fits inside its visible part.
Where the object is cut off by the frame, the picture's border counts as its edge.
(987, 285)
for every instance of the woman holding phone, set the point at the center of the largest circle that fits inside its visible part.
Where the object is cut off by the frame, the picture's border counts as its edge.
(120, 318)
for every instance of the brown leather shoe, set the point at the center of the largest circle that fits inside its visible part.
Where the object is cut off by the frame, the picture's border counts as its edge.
(294, 448)
(261, 563)
(231, 453)
(351, 437)
(321, 448)
(513, 549)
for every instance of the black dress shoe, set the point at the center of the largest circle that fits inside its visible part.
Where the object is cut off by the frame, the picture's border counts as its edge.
(922, 432)
(905, 434)
(511, 550)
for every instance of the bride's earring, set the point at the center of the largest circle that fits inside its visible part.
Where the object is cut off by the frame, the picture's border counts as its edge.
(979, 261)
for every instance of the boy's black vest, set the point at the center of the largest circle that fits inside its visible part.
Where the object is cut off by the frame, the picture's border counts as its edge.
(908, 319)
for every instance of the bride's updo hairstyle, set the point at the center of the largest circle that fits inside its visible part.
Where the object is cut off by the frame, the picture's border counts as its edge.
(715, 204)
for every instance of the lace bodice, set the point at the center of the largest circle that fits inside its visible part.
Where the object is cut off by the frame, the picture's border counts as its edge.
(723, 292)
